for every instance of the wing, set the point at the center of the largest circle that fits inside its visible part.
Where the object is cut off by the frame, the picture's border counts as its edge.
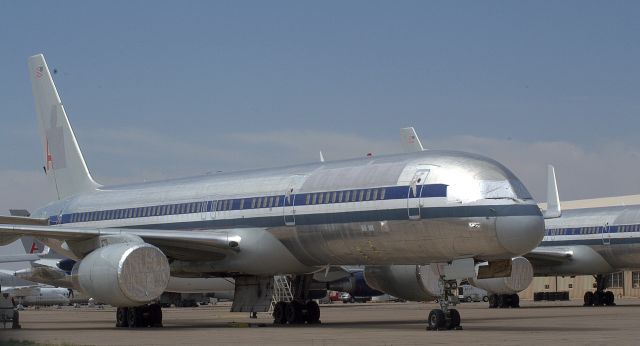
(183, 245)
(19, 258)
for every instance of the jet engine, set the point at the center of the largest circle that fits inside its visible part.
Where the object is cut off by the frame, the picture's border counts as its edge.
(124, 274)
(355, 285)
(520, 278)
(410, 282)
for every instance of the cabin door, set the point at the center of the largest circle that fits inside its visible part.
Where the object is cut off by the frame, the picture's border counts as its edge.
(414, 195)
(289, 207)
(606, 234)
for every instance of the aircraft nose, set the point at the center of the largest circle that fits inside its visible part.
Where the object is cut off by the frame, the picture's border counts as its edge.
(519, 234)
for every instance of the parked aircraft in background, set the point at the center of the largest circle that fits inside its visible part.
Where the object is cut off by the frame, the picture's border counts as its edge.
(444, 207)
(27, 293)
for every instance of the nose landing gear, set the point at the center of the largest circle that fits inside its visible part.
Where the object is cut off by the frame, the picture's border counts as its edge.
(445, 318)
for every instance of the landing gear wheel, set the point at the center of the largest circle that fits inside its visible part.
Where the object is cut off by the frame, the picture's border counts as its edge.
(493, 301)
(598, 298)
(588, 299)
(502, 301)
(134, 317)
(279, 313)
(122, 318)
(313, 312)
(468, 299)
(436, 320)
(294, 313)
(515, 301)
(485, 299)
(454, 319)
(609, 298)
(155, 315)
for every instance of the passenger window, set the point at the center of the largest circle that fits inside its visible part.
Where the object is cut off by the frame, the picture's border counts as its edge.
(333, 197)
(354, 195)
(277, 201)
(327, 197)
(368, 195)
(382, 192)
(253, 203)
(264, 201)
(360, 196)
(320, 197)
(375, 194)
(307, 198)
(340, 196)
(347, 194)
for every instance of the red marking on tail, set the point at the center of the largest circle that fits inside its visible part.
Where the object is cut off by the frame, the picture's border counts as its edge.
(34, 247)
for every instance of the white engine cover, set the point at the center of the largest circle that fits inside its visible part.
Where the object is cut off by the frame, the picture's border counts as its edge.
(520, 278)
(410, 282)
(126, 274)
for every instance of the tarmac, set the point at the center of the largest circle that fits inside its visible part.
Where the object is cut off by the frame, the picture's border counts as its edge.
(539, 323)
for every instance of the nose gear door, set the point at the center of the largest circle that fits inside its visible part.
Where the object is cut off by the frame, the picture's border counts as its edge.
(414, 195)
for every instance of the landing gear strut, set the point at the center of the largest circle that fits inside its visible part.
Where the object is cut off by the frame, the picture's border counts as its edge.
(600, 297)
(139, 316)
(301, 309)
(445, 318)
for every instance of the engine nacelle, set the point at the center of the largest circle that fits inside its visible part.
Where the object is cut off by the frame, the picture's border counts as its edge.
(123, 275)
(355, 285)
(409, 282)
(520, 278)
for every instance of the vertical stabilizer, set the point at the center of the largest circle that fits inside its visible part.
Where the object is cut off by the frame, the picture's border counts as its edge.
(63, 161)
(410, 141)
(553, 199)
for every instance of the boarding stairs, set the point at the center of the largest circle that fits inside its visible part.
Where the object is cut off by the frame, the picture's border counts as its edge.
(281, 290)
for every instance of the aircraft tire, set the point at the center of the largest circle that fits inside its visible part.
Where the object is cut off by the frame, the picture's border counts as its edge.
(313, 312)
(294, 313)
(588, 298)
(493, 301)
(279, 313)
(436, 320)
(122, 319)
(134, 317)
(609, 298)
(155, 315)
(454, 319)
(598, 298)
(515, 301)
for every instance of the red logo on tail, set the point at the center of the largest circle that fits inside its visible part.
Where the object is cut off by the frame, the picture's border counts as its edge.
(34, 247)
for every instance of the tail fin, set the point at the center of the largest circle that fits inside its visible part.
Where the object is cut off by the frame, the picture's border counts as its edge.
(410, 141)
(64, 164)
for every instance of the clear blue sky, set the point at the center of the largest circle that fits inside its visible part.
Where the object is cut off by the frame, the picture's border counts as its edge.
(159, 89)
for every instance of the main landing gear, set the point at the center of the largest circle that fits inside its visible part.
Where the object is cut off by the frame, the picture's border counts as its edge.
(140, 316)
(445, 318)
(300, 309)
(504, 301)
(296, 312)
(600, 297)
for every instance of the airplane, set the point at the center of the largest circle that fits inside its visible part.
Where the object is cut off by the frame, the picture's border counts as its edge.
(445, 207)
(27, 293)
(595, 237)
